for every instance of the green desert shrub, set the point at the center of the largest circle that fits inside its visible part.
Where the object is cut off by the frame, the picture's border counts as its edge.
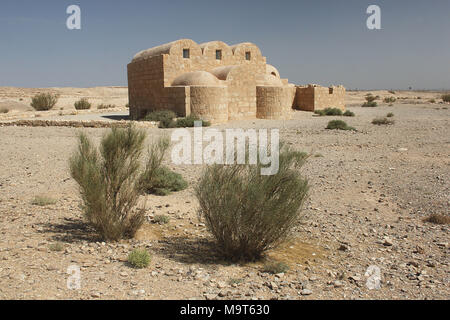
(82, 104)
(43, 201)
(109, 181)
(390, 99)
(275, 267)
(390, 115)
(139, 258)
(382, 121)
(161, 219)
(247, 212)
(164, 117)
(446, 97)
(339, 125)
(348, 113)
(157, 179)
(432, 101)
(329, 112)
(57, 246)
(370, 101)
(189, 121)
(44, 101)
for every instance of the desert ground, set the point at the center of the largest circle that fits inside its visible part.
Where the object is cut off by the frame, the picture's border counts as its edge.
(371, 191)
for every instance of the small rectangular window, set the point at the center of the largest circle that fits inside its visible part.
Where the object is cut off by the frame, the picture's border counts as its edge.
(248, 55)
(218, 54)
(186, 53)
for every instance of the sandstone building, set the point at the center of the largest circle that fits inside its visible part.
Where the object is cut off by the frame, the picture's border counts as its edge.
(219, 83)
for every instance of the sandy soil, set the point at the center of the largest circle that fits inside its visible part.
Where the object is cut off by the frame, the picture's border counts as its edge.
(371, 190)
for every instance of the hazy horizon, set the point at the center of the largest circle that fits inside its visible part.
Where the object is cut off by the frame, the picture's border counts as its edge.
(319, 42)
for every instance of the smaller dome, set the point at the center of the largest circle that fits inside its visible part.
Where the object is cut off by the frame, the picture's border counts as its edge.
(196, 78)
(271, 80)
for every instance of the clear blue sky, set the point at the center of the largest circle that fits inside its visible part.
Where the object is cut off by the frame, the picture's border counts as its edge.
(324, 42)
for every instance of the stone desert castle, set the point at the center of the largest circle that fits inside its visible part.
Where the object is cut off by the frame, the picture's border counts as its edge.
(218, 83)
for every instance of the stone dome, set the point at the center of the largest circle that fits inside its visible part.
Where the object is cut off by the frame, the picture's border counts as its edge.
(196, 78)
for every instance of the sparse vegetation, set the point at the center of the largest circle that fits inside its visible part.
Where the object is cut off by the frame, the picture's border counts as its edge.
(4, 110)
(157, 179)
(446, 97)
(438, 219)
(139, 258)
(247, 212)
(391, 92)
(235, 281)
(432, 101)
(57, 246)
(164, 117)
(109, 181)
(329, 112)
(188, 122)
(348, 113)
(382, 121)
(82, 104)
(275, 267)
(370, 101)
(43, 201)
(161, 219)
(44, 101)
(339, 125)
(390, 99)
(390, 115)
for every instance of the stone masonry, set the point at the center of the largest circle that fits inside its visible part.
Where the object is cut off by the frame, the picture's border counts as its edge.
(218, 83)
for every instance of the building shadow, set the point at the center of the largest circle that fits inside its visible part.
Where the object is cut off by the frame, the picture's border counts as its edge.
(116, 117)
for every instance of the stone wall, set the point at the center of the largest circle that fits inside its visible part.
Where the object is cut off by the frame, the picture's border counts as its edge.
(209, 103)
(313, 97)
(275, 102)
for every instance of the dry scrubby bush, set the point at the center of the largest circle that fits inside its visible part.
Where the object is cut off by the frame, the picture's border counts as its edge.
(329, 112)
(157, 179)
(166, 119)
(82, 104)
(139, 258)
(248, 213)
(348, 113)
(370, 101)
(339, 125)
(390, 115)
(43, 201)
(44, 101)
(4, 110)
(161, 219)
(382, 121)
(275, 267)
(390, 99)
(446, 97)
(109, 181)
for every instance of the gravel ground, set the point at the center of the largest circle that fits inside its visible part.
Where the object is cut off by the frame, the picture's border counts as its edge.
(370, 192)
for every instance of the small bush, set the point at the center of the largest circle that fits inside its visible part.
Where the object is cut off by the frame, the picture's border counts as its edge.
(390, 115)
(43, 201)
(432, 101)
(338, 125)
(157, 179)
(161, 219)
(275, 267)
(382, 121)
(249, 213)
(4, 110)
(329, 112)
(390, 99)
(44, 101)
(446, 97)
(82, 104)
(372, 104)
(189, 122)
(160, 115)
(139, 258)
(106, 106)
(109, 181)
(438, 219)
(58, 246)
(348, 113)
